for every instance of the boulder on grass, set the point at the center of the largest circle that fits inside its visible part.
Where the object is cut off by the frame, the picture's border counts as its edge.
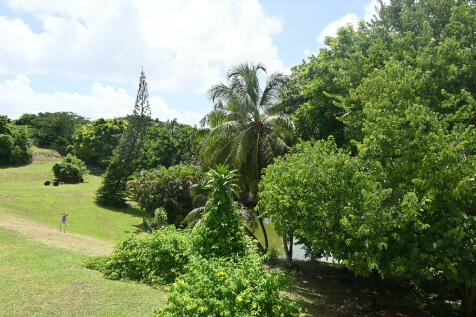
(47, 183)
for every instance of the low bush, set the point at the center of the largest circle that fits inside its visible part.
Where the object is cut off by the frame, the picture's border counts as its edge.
(155, 259)
(71, 169)
(229, 287)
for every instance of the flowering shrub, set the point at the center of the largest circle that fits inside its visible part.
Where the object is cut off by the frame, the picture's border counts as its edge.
(155, 259)
(229, 287)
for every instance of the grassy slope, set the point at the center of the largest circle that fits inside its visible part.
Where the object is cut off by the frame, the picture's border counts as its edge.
(41, 280)
(22, 192)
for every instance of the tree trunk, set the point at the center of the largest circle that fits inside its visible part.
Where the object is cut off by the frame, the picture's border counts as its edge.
(265, 235)
(288, 249)
(469, 300)
(260, 247)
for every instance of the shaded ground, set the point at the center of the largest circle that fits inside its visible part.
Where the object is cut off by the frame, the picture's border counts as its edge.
(329, 290)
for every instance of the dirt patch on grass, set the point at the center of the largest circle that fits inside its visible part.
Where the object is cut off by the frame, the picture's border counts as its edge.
(52, 236)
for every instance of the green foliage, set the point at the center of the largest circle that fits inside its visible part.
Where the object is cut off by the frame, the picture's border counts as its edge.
(157, 258)
(124, 162)
(223, 287)
(160, 218)
(94, 142)
(329, 201)
(71, 169)
(221, 231)
(403, 88)
(244, 131)
(14, 143)
(52, 129)
(168, 144)
(168, 188)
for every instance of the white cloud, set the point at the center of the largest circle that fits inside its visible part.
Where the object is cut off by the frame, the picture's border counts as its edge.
(349, 19)
(184, 45)
(332, 28)
(17, 97)
(371, 9)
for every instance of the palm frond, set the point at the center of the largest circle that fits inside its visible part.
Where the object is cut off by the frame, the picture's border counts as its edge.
(194, 216)
(281, 124)
(270, 92)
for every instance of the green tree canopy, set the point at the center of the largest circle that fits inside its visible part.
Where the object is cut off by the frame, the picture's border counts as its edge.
(52, 129)
(15, 144)
(94, 142)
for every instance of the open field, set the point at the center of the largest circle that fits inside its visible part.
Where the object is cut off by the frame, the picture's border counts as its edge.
(41, 280)
(22, 193)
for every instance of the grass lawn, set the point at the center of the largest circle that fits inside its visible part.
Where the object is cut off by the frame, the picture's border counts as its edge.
(22, 193)
(41, 280)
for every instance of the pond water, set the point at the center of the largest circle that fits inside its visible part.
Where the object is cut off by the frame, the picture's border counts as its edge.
(275, 241)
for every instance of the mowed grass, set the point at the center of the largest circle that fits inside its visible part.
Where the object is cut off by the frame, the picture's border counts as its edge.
(40, 280)
(23, 193)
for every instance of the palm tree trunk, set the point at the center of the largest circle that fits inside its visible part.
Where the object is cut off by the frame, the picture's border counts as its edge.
(469, 300)
(265, 235)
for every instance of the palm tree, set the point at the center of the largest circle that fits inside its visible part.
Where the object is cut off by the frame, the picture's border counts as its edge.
(243, 131)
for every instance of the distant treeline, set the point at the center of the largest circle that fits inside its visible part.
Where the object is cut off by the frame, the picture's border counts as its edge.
(167, 143)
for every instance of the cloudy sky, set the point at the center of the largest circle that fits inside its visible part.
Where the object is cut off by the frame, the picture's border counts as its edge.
(85, 55)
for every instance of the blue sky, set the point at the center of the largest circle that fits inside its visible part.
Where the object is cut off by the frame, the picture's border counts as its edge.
(85, 55)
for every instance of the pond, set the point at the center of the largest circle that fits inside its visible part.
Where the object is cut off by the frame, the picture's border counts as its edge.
(275, 241)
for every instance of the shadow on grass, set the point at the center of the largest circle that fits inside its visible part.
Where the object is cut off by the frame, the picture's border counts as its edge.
(133, 211)
(5, 166)
(94, 170)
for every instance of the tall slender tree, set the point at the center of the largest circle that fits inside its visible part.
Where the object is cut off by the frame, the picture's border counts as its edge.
(113, 189)
(244, 132)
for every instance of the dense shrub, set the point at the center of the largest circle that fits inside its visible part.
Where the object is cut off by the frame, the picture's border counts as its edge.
(169, 188)
(71, 169)
(156, 259)
(14, 143)
(229, 287)
(221, 231)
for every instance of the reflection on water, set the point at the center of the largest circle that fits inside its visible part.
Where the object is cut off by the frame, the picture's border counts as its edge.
(276, 242)
(300, 254)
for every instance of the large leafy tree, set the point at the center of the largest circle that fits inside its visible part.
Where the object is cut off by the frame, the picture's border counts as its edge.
(407, 104)
(113, 188)
(14, 143)
(167, 144)
(94, 142)
(244, 132)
